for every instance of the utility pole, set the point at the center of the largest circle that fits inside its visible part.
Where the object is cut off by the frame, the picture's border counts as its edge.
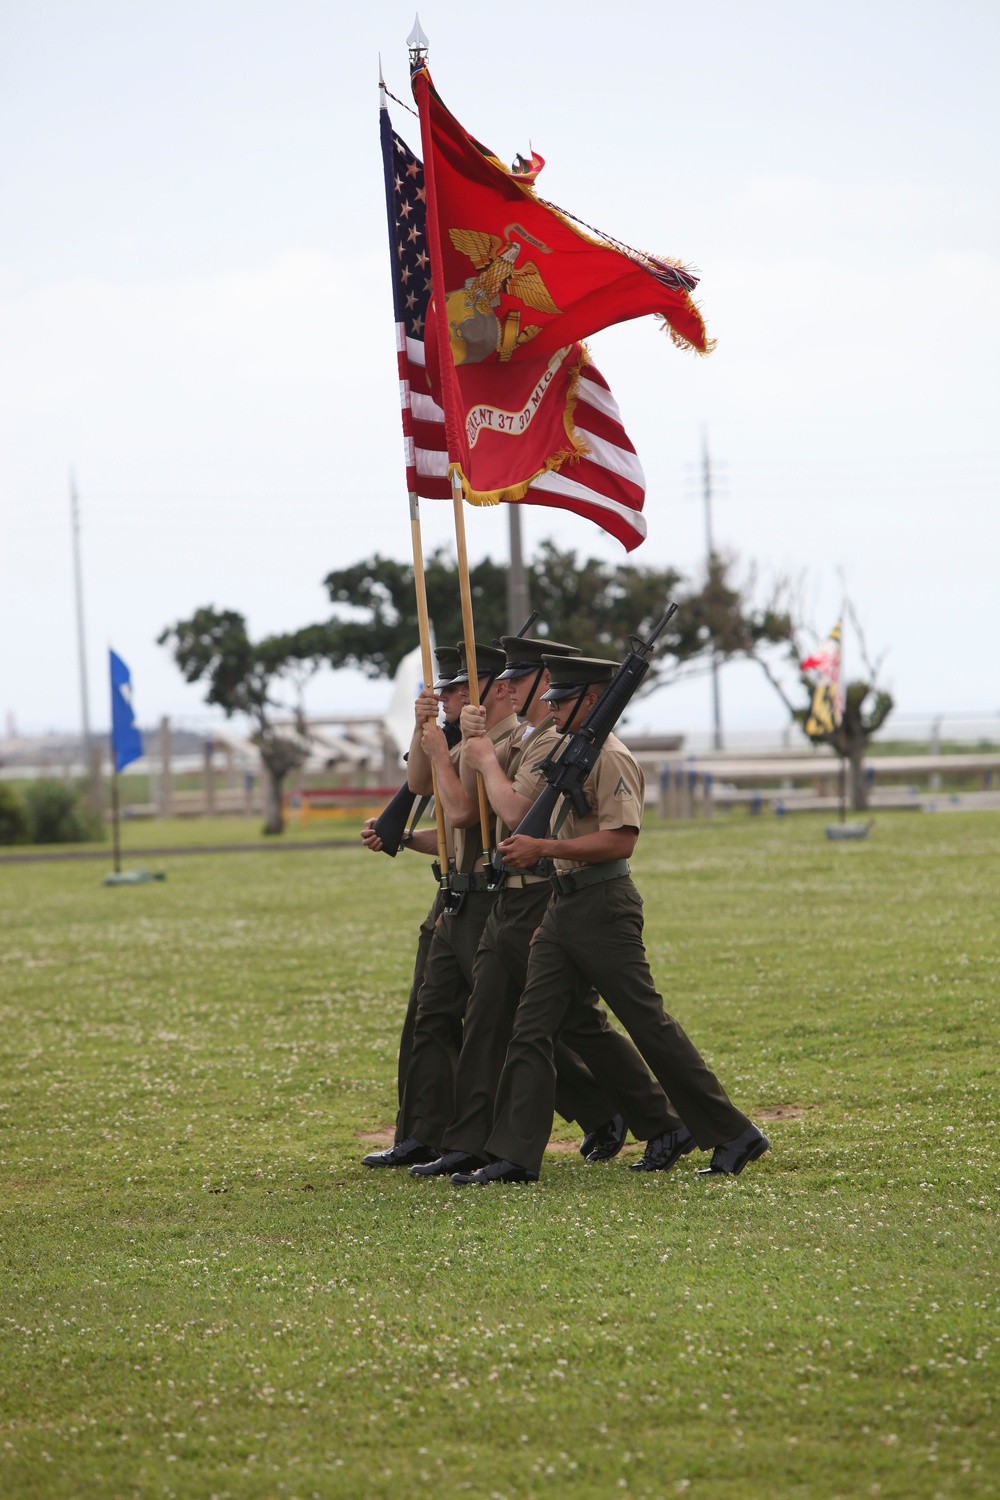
(518, 595)
(707, 486)
(74, 510)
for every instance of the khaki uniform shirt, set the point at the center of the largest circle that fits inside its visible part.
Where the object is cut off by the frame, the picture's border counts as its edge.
(615, 792)
(517, 738)
(524, 753)
(469, 841)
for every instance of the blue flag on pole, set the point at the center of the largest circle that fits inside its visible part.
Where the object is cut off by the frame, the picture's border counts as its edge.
(126, 740)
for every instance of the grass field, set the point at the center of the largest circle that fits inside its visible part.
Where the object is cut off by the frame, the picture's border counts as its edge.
(204, 1294)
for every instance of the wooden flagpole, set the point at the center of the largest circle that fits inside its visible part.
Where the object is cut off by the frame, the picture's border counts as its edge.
(420, 589)
(426, 662)
(417, 44)
(468, 631)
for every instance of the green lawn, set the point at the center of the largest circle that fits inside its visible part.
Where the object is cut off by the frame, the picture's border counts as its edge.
(204, 1294)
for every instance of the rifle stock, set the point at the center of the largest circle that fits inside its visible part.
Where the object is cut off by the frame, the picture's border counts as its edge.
(391, 821)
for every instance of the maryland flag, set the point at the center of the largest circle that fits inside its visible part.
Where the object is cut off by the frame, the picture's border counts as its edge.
(517, 284)
(827, 708)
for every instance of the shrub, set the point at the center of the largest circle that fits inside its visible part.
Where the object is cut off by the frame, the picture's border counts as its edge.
(14, 826)
(57, 815)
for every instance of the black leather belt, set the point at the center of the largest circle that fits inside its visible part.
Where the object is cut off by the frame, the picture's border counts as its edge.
(463, 883)
(578, 880)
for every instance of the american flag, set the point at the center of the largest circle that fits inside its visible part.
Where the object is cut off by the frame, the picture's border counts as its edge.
(606, 484)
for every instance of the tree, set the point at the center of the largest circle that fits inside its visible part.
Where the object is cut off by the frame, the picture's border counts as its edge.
(723, 617)
(595, 605)
(856, 728)
(382, 590)
(721, 622)
(866, 707)
(213, 646)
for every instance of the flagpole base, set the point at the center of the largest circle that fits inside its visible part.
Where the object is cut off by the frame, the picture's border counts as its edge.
(133, 877)
(839, 831)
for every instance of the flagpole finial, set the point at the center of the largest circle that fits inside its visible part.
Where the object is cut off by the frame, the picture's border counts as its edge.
(381, 85)
(417, 43)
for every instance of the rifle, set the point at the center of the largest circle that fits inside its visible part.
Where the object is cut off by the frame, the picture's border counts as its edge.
(566, 772)
(391, 821)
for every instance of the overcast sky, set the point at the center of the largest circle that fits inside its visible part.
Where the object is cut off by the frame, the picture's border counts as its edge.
(196, 313)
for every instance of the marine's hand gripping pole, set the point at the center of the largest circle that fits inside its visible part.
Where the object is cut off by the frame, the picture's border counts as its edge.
(391, 821)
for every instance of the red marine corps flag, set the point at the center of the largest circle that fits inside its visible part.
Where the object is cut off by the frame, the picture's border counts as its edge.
(603, 479)
(516, 285)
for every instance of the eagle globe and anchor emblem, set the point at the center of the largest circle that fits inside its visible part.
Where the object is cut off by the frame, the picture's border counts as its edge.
(475, 328)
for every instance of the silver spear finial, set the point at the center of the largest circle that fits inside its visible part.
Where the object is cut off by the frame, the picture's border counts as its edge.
(417, 43)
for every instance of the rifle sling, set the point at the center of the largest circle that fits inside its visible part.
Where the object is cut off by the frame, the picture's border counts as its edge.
(422, 805)
(564, 812)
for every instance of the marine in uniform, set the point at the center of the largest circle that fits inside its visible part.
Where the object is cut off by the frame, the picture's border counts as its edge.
(625, 1095)
(427, 1090)
(591, 937)
(451, 685)
(427, 1096)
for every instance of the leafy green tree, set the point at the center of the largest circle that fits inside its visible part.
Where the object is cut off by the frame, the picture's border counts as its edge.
(381, 590)
(213, 646)
(595, 605)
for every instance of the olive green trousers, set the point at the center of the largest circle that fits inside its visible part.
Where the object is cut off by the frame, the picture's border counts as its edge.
(592, 938)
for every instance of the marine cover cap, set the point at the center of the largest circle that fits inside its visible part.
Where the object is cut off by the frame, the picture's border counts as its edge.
(448, 667)
(572, 675)
(489, 661)
(525, 653)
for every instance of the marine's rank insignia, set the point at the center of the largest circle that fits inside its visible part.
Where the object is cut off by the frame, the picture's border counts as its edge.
(622, 789)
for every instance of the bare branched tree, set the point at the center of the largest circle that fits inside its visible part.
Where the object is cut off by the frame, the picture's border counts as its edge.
(866, 705)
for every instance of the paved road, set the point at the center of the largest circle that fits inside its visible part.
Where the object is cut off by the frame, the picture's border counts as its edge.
(272, 847)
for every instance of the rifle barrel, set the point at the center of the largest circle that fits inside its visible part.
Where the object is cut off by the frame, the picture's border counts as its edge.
(661, 625)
